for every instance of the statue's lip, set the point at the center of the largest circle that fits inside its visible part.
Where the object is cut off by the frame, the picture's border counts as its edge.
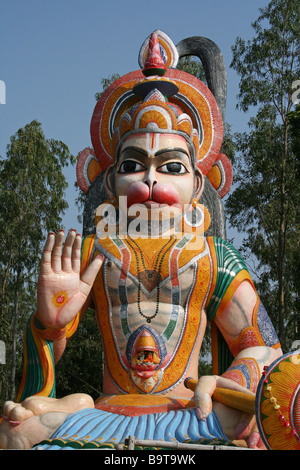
(145, 367)
(159, 193)
(150, 203)
(144, 374)
(145, 371)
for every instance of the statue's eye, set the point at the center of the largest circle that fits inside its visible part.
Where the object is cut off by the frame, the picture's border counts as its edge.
(173, 167)
(130, 166)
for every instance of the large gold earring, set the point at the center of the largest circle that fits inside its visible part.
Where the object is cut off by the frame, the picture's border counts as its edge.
(107, 218)
(196, 220)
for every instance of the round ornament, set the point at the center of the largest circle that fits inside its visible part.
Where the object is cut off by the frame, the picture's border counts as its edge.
(278, 403)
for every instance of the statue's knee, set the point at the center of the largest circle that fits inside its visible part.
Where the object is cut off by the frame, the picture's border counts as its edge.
(35, 405)
(77, 401)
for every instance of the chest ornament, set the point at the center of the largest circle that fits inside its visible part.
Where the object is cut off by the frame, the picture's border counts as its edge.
(146, 352)
(150, 278)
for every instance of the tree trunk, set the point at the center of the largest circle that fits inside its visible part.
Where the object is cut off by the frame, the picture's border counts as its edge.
(14, 341)
(282, 240)
(4, 280)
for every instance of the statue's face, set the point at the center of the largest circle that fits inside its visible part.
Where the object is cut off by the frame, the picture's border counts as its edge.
(156, 170)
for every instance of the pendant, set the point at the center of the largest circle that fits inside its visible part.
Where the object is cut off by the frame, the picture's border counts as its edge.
(150, 279)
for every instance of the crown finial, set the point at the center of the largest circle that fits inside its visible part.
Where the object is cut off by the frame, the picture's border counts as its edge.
(154, 64)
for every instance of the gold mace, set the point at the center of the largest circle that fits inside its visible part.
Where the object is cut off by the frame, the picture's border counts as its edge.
(238, 400)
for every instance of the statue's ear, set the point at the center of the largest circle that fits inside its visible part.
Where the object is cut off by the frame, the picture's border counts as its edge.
(198, 184)
(221, 175)
(109, 181)
(87, 169)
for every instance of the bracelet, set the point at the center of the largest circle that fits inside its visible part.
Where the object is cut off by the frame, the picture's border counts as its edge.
(245, 372)
(48, 333)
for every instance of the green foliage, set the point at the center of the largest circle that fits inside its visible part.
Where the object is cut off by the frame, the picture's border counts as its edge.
(269, 63)
(294, 128)
(264, 205)
(81, 367)
(204, 368)
(105, 82)
(32, 186)
(192, 65)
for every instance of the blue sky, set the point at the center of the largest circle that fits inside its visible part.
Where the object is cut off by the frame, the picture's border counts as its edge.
(53, 55)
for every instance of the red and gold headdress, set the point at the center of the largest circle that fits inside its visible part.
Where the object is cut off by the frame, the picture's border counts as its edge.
(157, 98)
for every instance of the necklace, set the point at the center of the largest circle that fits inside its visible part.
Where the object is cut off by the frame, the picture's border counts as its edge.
(158, 264)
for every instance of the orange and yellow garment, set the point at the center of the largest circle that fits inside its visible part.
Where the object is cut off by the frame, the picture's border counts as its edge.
(219, 270)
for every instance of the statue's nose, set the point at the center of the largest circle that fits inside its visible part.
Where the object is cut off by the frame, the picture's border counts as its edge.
(150, 180)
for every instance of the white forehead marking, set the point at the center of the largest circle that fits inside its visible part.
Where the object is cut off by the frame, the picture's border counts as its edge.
(152, 142)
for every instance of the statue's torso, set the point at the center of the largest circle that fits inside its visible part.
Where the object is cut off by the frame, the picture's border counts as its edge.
(150, 298)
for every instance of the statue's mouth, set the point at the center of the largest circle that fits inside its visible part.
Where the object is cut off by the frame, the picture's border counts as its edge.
(153, 204)
(161, 193)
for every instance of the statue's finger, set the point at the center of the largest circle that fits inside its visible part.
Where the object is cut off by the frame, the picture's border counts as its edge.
(244, 426)
(57, 251)
(202, 395)
(254, 441)
(76, 253)
(67, 251)
(46, 267)
(89, 276)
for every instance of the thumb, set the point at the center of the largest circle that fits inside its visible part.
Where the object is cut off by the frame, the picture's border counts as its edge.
(89, 275)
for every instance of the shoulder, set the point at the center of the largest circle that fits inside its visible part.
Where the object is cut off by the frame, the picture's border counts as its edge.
(229, 270)
(226, 255)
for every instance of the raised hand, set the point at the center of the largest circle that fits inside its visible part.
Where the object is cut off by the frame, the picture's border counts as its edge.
(61, 291)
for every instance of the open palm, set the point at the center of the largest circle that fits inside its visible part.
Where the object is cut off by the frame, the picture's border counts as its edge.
(61, 290)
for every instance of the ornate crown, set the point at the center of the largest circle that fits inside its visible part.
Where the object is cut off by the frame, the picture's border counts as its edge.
(157, 98)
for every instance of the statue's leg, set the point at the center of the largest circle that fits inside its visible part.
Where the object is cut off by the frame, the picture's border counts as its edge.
(37, 418)
(239, 427)
(39, 405)
(29, 432)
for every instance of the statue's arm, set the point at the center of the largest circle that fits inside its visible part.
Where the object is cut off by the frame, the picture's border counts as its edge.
(235, 307)
(250, 335)
(59, 345)
(64, 291)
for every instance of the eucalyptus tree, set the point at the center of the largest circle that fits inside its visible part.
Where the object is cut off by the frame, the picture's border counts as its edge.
(265, 203)
(32, 202)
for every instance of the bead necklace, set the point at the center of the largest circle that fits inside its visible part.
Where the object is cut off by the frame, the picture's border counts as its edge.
(158, 263)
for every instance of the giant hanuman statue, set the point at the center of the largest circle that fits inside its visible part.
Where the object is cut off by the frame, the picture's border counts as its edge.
(155, 265)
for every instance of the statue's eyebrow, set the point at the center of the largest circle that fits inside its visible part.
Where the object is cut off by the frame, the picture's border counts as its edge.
(136, 149)
(175, 149)
(159, 152)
